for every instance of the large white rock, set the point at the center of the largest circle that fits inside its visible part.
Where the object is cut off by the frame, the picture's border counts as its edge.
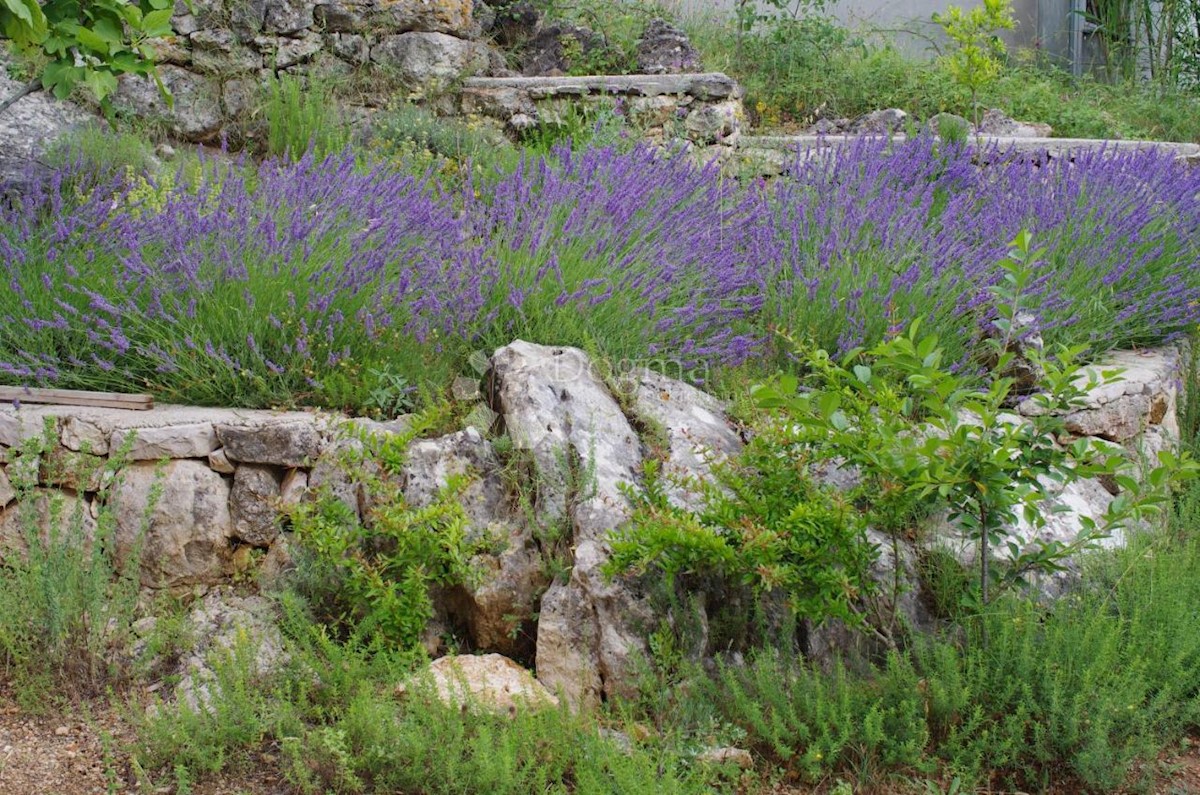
(176, 518)
(430, 61)
(54, 514)
(31, 126)
(556, 407)
(222, 625)
(196, 440)
(490, 681)
(195, 112)
(1143, 393)
(695, 430)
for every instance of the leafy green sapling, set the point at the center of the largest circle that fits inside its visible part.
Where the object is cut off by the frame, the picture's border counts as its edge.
(976, 58)
(919, 430)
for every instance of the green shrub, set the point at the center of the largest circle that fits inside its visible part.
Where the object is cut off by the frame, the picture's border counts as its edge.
(802, 69)
(765, 526)
(66, 602)
(302, 115)
(377, 572)
(1079, 695)
(455, 148)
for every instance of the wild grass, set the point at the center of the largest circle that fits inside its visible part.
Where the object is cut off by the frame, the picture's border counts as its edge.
(66, 600)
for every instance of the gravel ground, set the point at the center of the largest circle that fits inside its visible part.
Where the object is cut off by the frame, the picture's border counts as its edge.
(83, 751)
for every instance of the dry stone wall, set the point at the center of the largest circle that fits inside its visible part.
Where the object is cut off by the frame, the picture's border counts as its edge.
(224, 50)
(198, 491)
(704, 109)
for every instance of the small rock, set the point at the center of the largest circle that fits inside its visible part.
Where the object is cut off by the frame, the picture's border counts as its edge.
(291, 443)
(61, 731)
(277, 564)
(727, 755)
(80, 435)
(219, 462)
(880, 122)
(196, 440)
(548, 53)
(997, 122)
(295, 483)
(253, 504)
(7, 492)
(465, 390)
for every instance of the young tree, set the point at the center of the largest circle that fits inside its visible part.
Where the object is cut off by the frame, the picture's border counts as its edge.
(975, 60)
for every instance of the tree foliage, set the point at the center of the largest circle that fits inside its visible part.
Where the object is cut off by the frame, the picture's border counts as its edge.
(88, 43)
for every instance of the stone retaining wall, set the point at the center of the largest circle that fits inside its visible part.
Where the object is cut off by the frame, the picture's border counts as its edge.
(217, 65)
(199, 491)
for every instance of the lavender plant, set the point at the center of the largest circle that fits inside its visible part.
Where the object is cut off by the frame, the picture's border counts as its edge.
(300, 283)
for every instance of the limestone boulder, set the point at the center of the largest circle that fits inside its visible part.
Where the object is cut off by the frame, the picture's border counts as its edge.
(555, 406)
(490, 682)
(28, 129)
(693, 427)
(195, 114)
(425, 62)
(568, 646)
(7, 492)
(665, 49)
(509, 577)
(879, 122)
(287, 443)
(332, 476)
(719, 122)
(1063, 512)
(55, 515)
(194, 440)
(254, 504)
(997, 122)
(287, 17)
(556, 49)
(83, 436)
(221, 625)
(175, 518)
(1124, 393)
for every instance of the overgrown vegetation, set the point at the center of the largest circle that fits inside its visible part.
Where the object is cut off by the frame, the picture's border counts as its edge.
(324, 276)
(798, 69)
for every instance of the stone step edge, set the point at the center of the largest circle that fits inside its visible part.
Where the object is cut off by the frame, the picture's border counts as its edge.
(1182, 149)
(710, 84)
